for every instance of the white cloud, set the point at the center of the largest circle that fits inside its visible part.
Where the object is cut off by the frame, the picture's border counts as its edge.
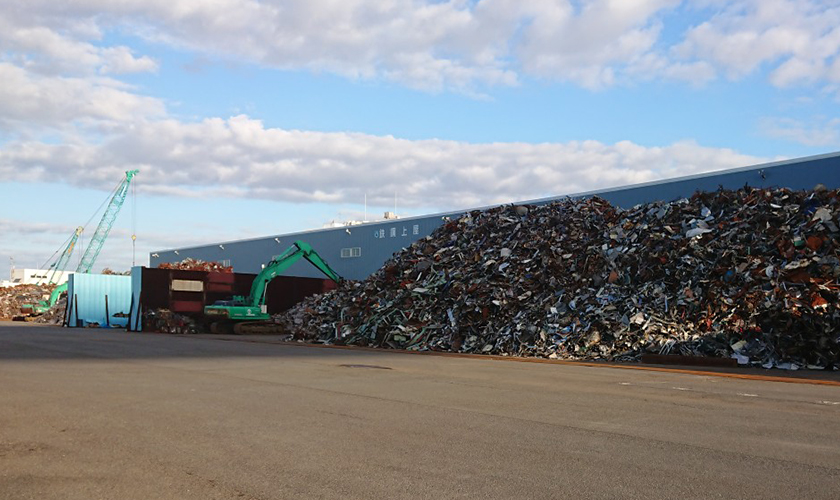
(797, 40)
(53, 80)
(239, 157)
(31, 244)
(451, 45)
(590, 46)
(820, 132)
(444, 45)
(30, 100)
(66, 116)
(10, 227)
(120, 60)
(43, 48)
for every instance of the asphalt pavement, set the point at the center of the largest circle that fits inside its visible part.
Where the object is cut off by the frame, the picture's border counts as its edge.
(88, 414)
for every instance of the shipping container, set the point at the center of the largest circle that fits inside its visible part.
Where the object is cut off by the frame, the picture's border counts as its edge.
(97, 300)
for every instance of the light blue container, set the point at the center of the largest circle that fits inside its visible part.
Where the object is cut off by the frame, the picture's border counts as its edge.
(135, 322)
(86, 299)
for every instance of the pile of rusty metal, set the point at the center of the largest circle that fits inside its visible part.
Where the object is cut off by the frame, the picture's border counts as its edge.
(55, 314)
(111, 272)
(13, 298)
(166, 321)
(190, 264)
(749, 274)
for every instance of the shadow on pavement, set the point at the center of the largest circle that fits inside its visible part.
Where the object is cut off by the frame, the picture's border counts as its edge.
(27, 341)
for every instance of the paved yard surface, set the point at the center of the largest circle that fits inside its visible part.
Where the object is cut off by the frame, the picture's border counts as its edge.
(105, 414)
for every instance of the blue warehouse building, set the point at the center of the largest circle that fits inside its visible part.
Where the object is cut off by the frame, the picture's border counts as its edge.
(356, 251)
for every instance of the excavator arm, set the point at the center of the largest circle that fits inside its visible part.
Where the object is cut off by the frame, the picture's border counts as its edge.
(56, 294)
(253, 307)
(282, 262)
(44, 306)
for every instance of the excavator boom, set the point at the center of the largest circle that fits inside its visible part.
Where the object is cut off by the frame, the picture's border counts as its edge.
(253, 307)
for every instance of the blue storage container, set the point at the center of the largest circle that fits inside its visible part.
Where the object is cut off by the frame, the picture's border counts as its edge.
(97, 299)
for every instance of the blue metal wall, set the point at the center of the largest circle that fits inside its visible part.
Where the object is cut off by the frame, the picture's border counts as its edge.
(378, 241)
(135, 321)
(798, 174)
(88, 292)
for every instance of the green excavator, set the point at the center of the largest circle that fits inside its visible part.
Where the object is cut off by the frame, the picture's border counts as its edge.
(93, 249)
(249, 314)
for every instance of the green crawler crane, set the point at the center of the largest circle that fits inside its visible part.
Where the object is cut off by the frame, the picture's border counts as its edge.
(57, 270)
(95, 246)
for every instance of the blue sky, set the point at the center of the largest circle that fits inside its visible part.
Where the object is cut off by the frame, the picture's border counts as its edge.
(252, 118)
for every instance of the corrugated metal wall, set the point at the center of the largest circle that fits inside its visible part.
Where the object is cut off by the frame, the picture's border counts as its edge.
(135, 323)
(86, 296)
(378, 241)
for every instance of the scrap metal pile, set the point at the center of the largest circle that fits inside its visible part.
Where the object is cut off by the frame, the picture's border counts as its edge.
(111, 272)
(12, 298)
(166, 321)
(190, 264)
(55, 314)
(749, 274)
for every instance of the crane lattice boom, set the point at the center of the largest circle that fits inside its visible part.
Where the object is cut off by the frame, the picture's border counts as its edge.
(108, 218)
(58, 267)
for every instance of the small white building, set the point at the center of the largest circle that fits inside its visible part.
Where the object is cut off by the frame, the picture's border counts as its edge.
(34, 277)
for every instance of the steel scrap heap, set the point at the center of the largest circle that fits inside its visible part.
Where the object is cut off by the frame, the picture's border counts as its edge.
(13, 298)
(749, 274)
(166, 321)
(190, 264)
